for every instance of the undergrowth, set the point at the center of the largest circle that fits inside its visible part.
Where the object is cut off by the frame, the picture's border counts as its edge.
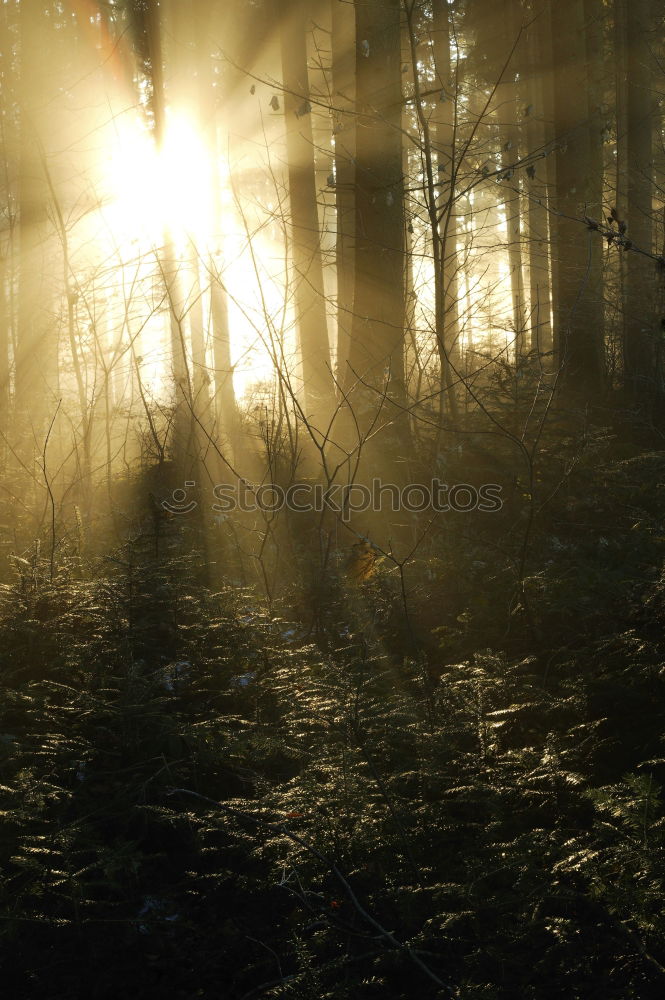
(206, 796)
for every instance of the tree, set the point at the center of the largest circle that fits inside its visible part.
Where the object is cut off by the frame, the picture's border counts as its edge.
(36, 358)
(536, 185)
(447, 164)
(167, 260)
(376, 349)
(309, 296)
(343, 45)
(512, 147)
(639, 355)
(579, 330)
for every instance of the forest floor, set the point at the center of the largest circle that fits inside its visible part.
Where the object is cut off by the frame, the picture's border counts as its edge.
(206, 796)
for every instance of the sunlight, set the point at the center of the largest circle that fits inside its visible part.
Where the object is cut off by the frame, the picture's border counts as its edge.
(158, 197)
(185, 188)
(134, 212)
(156, 192)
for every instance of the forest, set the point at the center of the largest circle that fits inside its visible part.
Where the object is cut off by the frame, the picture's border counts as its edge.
(332, 499)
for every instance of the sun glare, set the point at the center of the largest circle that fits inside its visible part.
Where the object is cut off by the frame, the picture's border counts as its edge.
(159, 197)
(157, 194)
(185, 180)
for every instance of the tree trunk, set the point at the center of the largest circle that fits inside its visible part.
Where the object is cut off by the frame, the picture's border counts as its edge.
(344, 132)
(376, 349)
(224, 401)
(539, 278)
(446, 164)
(4, 357)
(580, 327)
(309, 292)
(593, 14)
(6, 249)
(639, 338)
(167, 261)
(36, 343)
(506, 95)
(189, 65)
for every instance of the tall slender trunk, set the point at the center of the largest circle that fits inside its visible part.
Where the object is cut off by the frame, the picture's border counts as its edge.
(6, 248)
(593, 11)
(376, 350)
(438, 212)
(639, 338)
(4, 357)
(539, 279)
(344, 132)
(168, 261)
(36, 361)
(545, 61)
(212, 110)
(580, 333)
(309, 295)
(618, 260)
(446, 162)
(510, 142)
(188, 66)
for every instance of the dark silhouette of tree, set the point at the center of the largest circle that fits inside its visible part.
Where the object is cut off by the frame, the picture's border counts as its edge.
(579, 318)
(376, 348)
(639, 321)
